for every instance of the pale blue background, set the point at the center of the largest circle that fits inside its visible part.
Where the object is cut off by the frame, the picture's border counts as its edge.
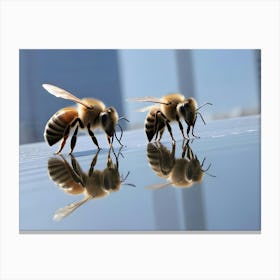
(230, 79)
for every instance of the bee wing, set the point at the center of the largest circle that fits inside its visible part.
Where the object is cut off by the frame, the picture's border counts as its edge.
(144, 109)
(162, 185)
(62, 93)
(158, 186)
(147, 99)
(68, 209)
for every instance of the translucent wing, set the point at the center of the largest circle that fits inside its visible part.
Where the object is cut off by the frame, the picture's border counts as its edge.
(163, 185)
(147, 99)
(68, 209)
(158, 186)
(147, 108)
(62, 93)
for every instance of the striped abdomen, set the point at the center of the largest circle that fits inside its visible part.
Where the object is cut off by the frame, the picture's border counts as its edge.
(63, 176)
(57, 124)
(150, 123)
(160, 159)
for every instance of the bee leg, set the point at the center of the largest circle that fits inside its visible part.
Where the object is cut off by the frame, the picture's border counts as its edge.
(188, 130)
(187, 150)
(109, 141)
(117, 161)
(193, 128)
(156, 125)
(79, 121)
(190, 154)
(166, 121)
(185, 144)
(160, 135)
(109, 160)
(93, 137)
(75, 165)
(73, 140)
(76, 172)
(193, 134)
(173, 150)
(93, 163)
(184, 150)
(65, 136)
(170, 131)
(156, 131)
(180, 126)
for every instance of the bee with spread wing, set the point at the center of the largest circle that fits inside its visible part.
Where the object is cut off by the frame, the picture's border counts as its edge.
(169, 108)
(89, 114)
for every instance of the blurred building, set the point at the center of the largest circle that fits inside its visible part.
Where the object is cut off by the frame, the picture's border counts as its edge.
(230, 79)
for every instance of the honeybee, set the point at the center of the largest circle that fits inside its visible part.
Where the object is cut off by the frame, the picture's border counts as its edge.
(173, 107)
(89, 114)
(179, 172)
(93, 184)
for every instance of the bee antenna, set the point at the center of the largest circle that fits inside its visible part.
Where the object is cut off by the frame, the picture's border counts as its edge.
(112, 149)
(201, 117)
(205, 171)
(210, 174)
(119, 139)
(206, 168)
(127, 184)
(121, 131)
(207, 103)
(123, 179)
(130, 184)
(203, 162)
(120, 153)
(123, 118)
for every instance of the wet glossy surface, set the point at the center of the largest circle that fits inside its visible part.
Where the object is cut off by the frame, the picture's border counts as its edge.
(230, 201)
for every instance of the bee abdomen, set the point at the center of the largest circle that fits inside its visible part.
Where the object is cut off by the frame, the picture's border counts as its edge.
(153, 157)
(62, 176)
(150, 125)
(56, 126)
(58, 172)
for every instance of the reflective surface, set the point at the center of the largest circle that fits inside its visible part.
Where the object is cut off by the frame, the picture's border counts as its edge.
(211, 183)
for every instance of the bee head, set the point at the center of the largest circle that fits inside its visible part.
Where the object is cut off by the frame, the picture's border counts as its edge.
(183, 108)
(194, 170)
(112, 180)
(109, 119)
(187, 105)
(187, 110)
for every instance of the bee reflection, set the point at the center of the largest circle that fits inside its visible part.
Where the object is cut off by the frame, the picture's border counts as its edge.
(179, 172)
(92, 184)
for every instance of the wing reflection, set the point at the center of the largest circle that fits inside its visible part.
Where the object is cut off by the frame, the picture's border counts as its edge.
(179, 172)
(92, 184)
